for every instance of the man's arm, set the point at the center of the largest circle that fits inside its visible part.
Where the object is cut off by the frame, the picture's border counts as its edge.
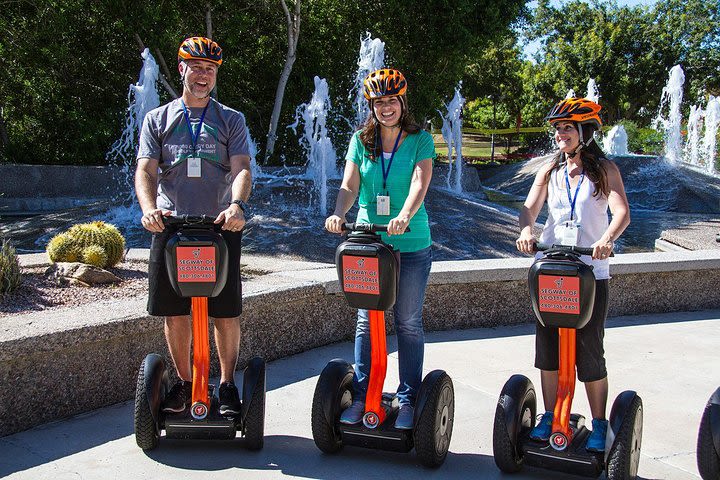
(241, 189)
(146, 181)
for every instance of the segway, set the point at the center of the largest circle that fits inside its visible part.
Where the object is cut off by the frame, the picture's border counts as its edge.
(197, 263)
(562, 288)
(368, 272)
(708, 444)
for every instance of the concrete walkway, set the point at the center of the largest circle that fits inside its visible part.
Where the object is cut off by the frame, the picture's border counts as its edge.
(670, 360)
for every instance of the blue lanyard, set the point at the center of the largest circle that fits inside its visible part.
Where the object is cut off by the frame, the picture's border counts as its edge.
(577, 189)
(194, 135)
(386, 173)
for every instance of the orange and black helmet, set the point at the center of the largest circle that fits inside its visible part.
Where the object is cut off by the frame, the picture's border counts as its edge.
(385, 82)
(579, 110)
(200, 48)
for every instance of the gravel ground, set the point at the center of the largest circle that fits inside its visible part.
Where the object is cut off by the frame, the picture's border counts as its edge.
(38, 292)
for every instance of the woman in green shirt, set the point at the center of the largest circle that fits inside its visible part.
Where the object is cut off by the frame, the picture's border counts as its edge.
(388, 169)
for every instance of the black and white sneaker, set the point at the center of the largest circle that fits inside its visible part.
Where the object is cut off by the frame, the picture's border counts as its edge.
(178, 397)
(229, 399)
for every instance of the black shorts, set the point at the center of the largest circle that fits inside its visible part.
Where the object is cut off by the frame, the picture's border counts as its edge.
(164, 302)
(590, 353)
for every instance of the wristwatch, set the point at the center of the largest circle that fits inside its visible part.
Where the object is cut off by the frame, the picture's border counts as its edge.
(243, 206)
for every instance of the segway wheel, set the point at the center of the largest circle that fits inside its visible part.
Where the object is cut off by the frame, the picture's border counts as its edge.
(624, 456)
(514, 419)
(147, 428)
(708, 461)
(333, 394)
(433, 429)
(254, 425)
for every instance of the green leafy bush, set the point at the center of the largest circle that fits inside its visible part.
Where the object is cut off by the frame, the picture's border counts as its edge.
(643, 139)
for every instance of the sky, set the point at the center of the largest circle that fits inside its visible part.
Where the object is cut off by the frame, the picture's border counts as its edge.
(532, 47)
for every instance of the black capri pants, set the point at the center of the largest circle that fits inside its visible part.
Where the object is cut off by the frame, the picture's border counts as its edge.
(590, 354)
(162, 299)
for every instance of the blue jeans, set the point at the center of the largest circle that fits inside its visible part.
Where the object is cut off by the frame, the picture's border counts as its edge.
(414, 273)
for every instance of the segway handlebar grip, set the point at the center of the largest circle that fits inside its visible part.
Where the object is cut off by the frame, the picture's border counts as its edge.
(541, 247)
(189, 220)
(367, 227)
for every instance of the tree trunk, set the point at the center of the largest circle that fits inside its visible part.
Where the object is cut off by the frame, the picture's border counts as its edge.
(293, 23)
(4, 140)
(209, 32)
(161, 77)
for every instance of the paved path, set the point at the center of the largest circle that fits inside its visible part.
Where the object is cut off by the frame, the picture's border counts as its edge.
(671, 360)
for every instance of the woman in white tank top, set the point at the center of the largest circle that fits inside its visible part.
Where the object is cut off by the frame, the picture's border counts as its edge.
(579, 185)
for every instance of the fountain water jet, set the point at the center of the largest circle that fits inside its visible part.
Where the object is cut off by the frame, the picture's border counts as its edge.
(712, 119)
(616, 141)
(452, 134)
(672, 95)
(593, 93)
(371, 58)
(317, 145)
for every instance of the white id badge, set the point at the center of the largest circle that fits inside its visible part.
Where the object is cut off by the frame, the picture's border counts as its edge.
(570, 234)
(383, 205)
(193, 167)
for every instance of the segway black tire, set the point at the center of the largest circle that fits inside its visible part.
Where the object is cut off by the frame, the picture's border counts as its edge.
(147, 430)
(708, 461)
(433, 429)
(254, 426)
(515, 411)
(333, 394)
(624, 457)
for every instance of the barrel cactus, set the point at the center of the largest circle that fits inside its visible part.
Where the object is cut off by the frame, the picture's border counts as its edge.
(62, 248)
(94, 255)
(10, 276)
(79, 242)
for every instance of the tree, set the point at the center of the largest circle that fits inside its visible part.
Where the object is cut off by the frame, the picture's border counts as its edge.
(293, 34)
(627, 50)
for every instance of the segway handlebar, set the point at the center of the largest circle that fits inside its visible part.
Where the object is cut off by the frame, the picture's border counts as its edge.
(367, 227)
(541, 247)
(189, 220)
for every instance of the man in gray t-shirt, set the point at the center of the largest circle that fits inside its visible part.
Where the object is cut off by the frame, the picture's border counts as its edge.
(193, 159)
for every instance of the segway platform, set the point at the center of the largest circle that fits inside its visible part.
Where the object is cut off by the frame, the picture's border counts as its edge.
(573, 459)
(383, 437)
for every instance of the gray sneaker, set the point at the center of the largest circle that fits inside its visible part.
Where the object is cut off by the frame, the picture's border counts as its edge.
(353, 414)
(404, 420)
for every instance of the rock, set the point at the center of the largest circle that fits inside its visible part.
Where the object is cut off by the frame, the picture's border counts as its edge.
(80, 274)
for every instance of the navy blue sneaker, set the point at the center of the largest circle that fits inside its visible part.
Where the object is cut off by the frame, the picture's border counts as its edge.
(404, 420)
(354, 413)
(596, 441)
(543, 429)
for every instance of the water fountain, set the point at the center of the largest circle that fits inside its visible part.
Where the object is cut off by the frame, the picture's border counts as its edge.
(314, 140)
(694, 128)
(593, 93)
(671, 101)
(452, 134)
(616, 141)
(371, 58)
(712, 119)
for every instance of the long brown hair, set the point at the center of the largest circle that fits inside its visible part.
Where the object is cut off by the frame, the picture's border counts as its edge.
(369, 130)
(592, 157)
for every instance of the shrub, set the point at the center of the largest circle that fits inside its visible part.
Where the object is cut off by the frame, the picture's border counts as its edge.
(10, 275)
